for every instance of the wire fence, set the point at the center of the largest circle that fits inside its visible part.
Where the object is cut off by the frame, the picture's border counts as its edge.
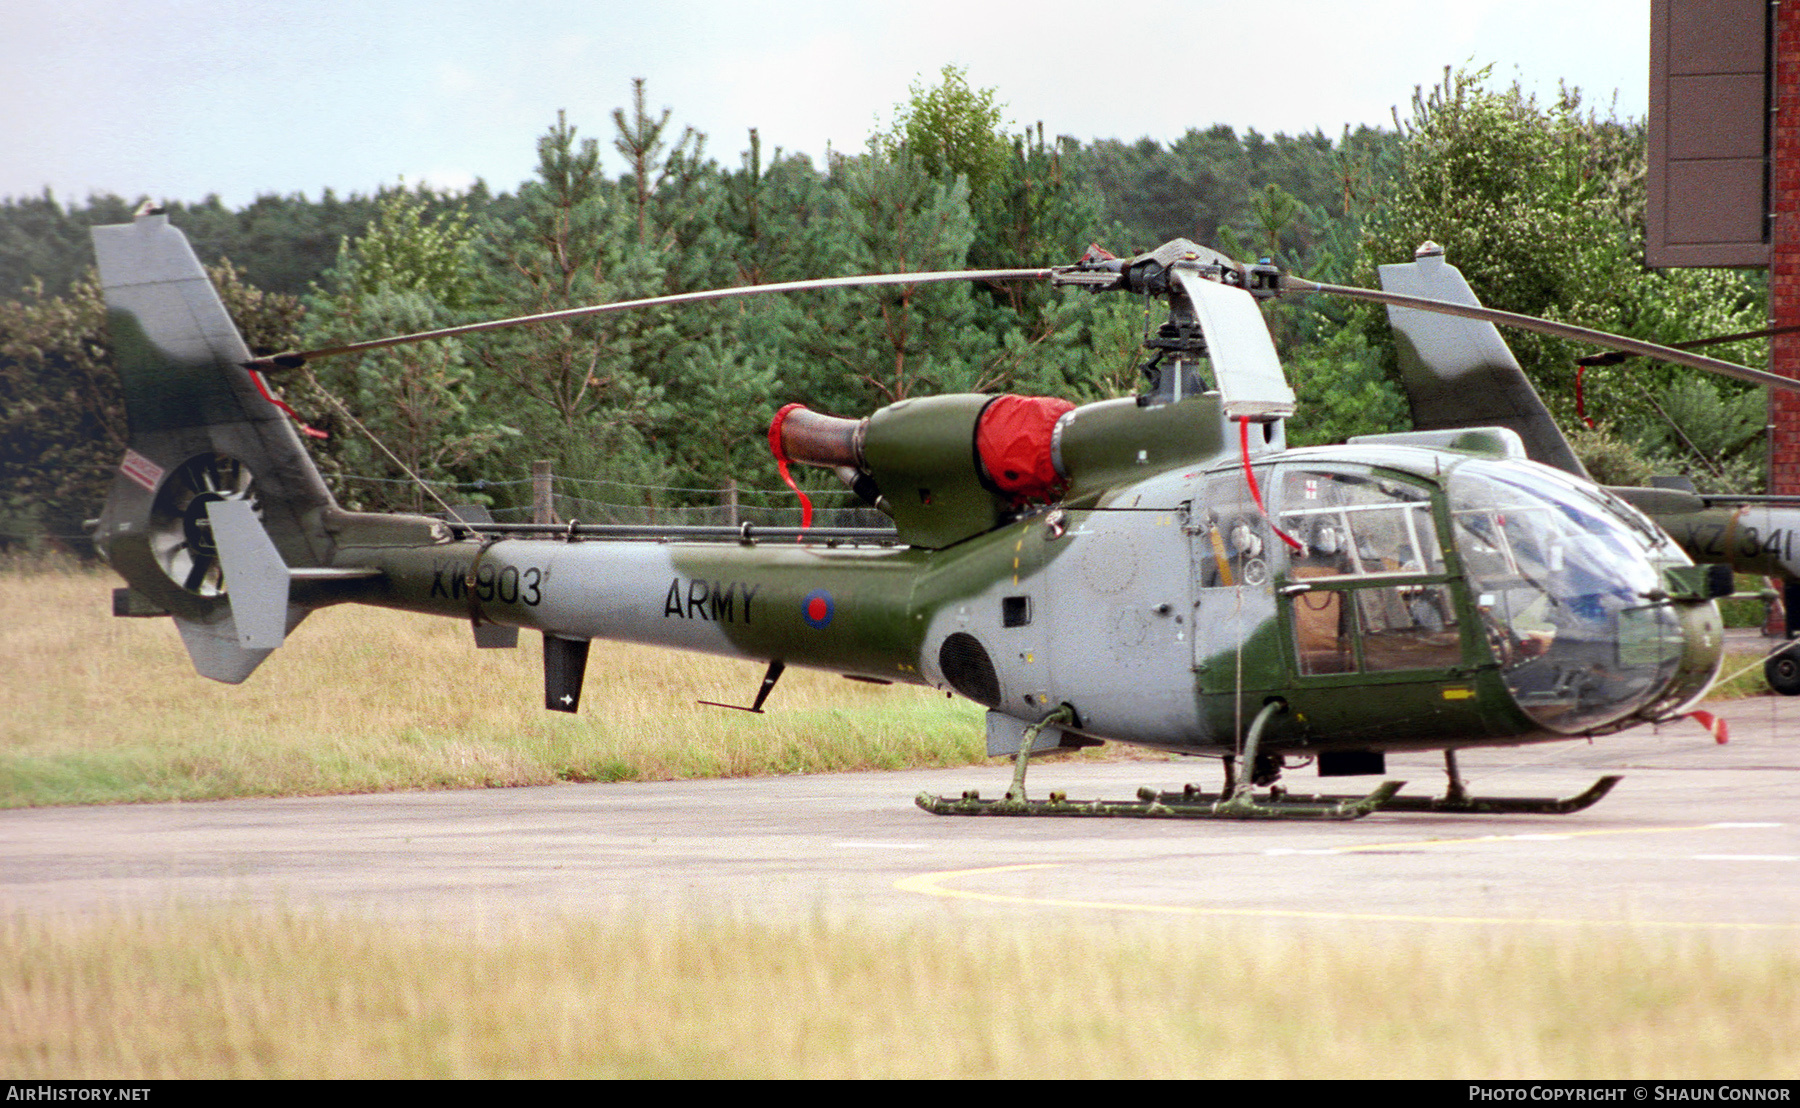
(548, 497)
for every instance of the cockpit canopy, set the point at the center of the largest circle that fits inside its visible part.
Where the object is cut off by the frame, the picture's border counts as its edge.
(1567, 581)
(1564, 581)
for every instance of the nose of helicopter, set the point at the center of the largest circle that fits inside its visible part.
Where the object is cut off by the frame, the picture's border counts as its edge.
(1572, 589)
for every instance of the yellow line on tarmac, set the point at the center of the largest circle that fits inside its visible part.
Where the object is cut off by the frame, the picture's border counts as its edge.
(1531, 836)
(934, 884)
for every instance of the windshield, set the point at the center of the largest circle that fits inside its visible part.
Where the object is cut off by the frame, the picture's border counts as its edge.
(1563, 579)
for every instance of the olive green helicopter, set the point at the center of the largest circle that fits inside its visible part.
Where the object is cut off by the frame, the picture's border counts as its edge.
(1161, 570)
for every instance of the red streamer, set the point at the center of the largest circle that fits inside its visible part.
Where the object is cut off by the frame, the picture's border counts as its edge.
(1256, 493)
(263, 387)
(1720, 732)
(1580, 407)
(781, 464)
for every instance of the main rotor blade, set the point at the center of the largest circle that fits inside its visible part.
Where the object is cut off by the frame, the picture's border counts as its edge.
(294, 359)
(1614, 357)
(1547, 327)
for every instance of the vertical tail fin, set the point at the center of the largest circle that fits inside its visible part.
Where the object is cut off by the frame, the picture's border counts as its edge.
(1459, 372)
(202, 434)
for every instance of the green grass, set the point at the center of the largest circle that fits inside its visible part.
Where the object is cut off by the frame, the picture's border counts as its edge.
(1741, 675)
(238, 994)
(1749, 606)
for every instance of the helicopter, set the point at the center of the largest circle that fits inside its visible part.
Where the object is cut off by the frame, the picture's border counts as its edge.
(1458, 372)
(1160, 570)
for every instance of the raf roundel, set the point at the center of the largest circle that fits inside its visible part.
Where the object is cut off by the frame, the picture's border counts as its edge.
(817, 609)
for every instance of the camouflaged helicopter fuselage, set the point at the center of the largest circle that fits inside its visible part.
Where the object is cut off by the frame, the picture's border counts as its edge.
(1127, 610)
(846, 609)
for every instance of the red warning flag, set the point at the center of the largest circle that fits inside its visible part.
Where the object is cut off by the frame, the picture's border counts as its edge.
(1720, 732)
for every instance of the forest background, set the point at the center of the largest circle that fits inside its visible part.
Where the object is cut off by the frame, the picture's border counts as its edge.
(650, 415)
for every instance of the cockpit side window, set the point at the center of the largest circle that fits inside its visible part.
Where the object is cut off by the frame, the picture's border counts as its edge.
(1358, 525)
(1358, 601)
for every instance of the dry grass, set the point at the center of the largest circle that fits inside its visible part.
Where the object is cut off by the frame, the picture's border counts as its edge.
(99, 709)
(234, 994)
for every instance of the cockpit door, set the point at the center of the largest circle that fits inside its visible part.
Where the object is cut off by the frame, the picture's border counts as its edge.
(1367, 593)
(1235, 561)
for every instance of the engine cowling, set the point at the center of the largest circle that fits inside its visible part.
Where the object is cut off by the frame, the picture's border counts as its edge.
(947, 468)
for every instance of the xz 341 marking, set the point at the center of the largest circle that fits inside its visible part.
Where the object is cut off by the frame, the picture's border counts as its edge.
(1711, 539)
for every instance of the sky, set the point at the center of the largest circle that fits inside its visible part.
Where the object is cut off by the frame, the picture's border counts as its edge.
(179, 99)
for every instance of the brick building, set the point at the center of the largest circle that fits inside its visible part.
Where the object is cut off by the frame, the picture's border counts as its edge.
(1784, 253)
(1724, 167)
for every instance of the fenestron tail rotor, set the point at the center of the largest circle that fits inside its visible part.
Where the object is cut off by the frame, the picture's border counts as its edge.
(180, 530)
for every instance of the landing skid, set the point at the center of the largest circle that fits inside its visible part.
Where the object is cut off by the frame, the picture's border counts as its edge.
(1193, 803)
(1183, 805)
(1466, 805)
(1237, 800)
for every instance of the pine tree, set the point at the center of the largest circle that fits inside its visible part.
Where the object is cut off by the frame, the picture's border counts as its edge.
(574, 388)
(853, 350)
(1540, 206)
(408, 272)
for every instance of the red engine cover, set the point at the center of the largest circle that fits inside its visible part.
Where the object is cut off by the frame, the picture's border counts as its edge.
(1012, 439)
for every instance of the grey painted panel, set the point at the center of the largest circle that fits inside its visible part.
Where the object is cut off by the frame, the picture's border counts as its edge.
(1716, 115)
(1249, 373)
(146, 267)
(603, 591)
(1715, 201)
(255, 578)
(213, 645)
(1006, 734)
(1120, 627)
